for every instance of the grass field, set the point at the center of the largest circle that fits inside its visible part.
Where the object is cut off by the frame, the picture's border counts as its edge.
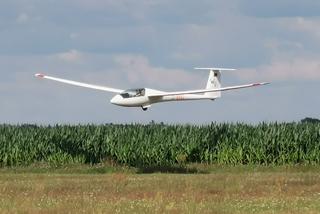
(211, 189)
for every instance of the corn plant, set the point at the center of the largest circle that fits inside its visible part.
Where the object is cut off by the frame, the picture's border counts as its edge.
(161, 145)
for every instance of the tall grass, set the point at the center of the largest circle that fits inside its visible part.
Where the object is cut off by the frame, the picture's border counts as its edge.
(161, 145)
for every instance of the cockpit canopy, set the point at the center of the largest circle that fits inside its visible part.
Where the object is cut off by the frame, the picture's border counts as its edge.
(138, 92)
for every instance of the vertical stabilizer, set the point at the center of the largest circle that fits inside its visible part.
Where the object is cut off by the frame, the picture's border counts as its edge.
(214, 80)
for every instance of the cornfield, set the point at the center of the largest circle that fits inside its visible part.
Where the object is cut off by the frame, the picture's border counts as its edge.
(161, 145)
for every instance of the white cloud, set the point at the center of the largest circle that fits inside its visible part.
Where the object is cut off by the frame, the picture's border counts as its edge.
(71, 56)
(303, 69)
(139, 70)
(292, 58)
(23, 18)
(309, 26)
(73, 35)
(186, 56)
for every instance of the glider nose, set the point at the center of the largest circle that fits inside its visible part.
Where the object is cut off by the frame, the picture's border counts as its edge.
(116, 100)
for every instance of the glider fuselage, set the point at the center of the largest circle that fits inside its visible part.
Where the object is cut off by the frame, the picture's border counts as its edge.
(134, 98)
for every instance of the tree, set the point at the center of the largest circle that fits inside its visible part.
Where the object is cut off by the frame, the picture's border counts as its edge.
(310, 120)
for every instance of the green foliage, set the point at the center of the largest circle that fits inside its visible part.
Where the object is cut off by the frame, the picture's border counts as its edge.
(161, 145)
(310, 120)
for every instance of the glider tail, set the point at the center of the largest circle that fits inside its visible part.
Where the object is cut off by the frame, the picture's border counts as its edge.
(214, 80)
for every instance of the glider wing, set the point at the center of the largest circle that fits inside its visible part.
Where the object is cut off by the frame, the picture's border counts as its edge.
(85, 85)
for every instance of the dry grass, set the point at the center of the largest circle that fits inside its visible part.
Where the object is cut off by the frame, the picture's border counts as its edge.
(224, 191)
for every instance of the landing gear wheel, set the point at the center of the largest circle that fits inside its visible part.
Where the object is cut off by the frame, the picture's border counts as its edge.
(144, 108)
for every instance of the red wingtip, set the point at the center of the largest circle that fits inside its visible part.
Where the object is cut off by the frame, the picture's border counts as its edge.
(256, 84)
(262, 83)
(39, 75)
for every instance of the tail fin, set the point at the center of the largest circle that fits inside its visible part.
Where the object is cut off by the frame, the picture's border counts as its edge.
(214, 81)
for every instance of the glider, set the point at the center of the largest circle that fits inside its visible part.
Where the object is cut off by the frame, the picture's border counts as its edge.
(145, 97)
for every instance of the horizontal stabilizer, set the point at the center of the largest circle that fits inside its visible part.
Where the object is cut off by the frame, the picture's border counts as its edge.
(216, 69)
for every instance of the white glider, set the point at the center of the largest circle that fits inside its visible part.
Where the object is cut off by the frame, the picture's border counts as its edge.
(144, 97)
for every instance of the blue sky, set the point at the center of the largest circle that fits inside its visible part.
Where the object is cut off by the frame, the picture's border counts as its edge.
(156, 44)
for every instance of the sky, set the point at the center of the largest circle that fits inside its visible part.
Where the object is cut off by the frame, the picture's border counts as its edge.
(156, 44)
